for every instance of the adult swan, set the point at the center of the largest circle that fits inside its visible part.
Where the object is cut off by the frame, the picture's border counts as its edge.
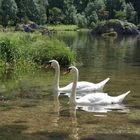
(82, 86)
(92, 99)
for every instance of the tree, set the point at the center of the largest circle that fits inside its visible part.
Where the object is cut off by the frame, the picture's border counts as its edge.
(21, 14)
(34, 10)
(100, 9)
(81, 20)
(56, 15)
(91, 14)
(8, 12)
(42, 9)
(136, 4)
(80, 5)
(114, 5)
(131, 14)
(59, 4)
(70, 12)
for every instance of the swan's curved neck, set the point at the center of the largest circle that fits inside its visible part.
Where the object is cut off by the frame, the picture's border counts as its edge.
(56, 78)
(73, 92)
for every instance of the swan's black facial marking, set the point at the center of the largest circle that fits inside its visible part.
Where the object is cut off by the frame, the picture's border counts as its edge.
(49, 64)
(67, 70)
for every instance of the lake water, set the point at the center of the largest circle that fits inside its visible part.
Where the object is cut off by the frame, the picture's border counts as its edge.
(35, 113)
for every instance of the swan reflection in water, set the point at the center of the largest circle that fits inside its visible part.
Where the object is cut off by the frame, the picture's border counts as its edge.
(72, 111)
(104, 108)
(74, 129)
(74, 135)
(56, 108)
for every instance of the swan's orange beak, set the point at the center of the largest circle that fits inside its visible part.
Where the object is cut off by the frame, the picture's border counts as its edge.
(66, 72)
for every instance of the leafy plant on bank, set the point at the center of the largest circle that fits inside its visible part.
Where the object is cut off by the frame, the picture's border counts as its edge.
(21, 50)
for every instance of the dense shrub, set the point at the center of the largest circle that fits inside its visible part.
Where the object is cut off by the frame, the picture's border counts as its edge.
(22, 49)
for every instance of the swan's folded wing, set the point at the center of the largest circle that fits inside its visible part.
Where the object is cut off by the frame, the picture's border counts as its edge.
(96, 97)
(81, 86)
(92, 98)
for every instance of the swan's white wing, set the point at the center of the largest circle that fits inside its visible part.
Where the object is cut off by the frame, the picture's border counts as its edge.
(91, 87)
(92, 98)
(82, 86)
(104, 98)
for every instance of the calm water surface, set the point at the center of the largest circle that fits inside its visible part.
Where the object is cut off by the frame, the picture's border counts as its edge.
(34, 112)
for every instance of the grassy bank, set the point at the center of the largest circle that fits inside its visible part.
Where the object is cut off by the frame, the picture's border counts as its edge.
(63, 27)
(66, 28)
(19, 49)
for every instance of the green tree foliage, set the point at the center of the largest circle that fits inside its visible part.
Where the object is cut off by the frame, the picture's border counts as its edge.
(131, 14)
(8, 12)
(70, 14)
(56, 15)
(100, 9)
(53, 3)
(34, 10)
(120, 15)
(21, 14)
(136, 4)
(84, 13)
(112, 6)
(80, 5)
(91, 14)
(81, 20)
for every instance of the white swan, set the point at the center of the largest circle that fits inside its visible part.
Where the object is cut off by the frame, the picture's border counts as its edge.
(92, 99)
(82, 86)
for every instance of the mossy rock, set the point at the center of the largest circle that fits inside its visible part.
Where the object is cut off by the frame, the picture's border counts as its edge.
(33, 27)
(120, 27)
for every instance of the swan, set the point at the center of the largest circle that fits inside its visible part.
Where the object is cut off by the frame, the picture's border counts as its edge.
(82, 86)
(92, 99)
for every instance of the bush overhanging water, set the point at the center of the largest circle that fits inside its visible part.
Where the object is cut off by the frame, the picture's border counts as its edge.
(22, 50)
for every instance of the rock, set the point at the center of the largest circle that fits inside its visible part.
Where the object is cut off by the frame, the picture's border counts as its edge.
(118, 26)
(19, 27)
(48, 32)
(28, 28)
(32, 27)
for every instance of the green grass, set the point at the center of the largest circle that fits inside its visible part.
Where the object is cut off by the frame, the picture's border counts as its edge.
(63, 27)
(66, 28)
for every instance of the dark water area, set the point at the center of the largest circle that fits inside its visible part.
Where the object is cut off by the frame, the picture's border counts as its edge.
(29, 110)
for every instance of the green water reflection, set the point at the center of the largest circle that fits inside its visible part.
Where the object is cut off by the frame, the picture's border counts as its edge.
(29, 110)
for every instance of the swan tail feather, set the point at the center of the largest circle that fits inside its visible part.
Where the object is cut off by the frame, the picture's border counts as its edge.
(102, 83)
(122, 96)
